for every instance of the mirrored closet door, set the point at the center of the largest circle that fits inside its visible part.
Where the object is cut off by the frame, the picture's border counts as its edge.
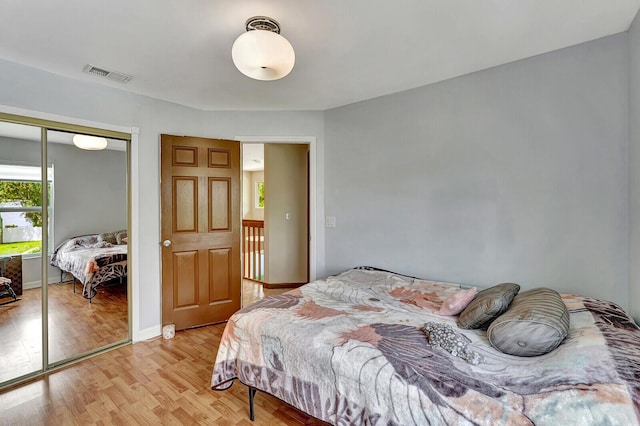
(73, 236)
(87, 293)
(20, 250)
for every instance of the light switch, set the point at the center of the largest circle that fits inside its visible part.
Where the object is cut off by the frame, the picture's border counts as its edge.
(287, 216)
(330, 221)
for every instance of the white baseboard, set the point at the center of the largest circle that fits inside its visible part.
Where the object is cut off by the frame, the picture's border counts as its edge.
(30, 285)
(147, 333)
(37, 284)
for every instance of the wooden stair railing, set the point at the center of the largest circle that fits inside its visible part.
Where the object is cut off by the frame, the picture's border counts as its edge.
(253, 249)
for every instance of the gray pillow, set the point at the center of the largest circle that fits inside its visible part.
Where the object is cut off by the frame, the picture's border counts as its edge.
(101, 244)
(536, 323)
(120, 235)
(488, 305)
(109, 237)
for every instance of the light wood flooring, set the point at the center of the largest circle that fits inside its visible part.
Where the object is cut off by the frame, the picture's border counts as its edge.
(253, 291)
(153, 382)
(75, 326)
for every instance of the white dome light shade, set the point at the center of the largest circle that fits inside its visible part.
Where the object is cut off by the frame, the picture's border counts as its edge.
(92, 143)
(263, 55)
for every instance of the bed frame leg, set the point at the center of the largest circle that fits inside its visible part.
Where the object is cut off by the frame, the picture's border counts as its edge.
(74, 284)
(252, 394)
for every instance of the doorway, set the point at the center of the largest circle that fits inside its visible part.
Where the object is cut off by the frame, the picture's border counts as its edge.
(187, 156)
(200, 217)
(276, 212)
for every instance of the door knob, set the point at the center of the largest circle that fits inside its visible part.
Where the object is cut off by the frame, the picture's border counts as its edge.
(166, 243)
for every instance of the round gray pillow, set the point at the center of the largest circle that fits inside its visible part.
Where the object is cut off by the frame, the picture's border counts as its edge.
(536, 323)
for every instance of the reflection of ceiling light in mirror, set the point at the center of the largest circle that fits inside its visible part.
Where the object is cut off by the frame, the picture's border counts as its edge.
(92, 143)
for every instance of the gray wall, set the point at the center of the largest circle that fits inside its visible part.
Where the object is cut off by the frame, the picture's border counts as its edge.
(28, 88)
(89, 186)
(90, 190)
(516, 173)
(634, 169)
(286, 240)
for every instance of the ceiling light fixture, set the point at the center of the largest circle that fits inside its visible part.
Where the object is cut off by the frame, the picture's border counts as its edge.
(91, 143)
(262, 53)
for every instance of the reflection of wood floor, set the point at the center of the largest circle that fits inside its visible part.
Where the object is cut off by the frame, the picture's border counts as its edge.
(75, 325)
(152, 382)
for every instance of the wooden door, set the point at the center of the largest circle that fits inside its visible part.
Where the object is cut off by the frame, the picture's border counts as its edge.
(200, 203)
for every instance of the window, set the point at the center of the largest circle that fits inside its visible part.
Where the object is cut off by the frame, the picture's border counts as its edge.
(259, 195)
(20, 208)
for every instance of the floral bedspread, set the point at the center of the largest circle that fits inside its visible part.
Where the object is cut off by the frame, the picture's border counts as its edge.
(91, 261)
(351, 350)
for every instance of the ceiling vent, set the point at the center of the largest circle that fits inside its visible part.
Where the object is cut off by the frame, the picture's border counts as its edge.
(109, 74)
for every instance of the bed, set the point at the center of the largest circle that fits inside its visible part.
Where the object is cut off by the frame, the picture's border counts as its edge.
(91, 260)
(352, 349)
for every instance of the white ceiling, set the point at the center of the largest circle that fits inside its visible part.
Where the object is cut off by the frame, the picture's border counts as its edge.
(252, 157)
(346, 51)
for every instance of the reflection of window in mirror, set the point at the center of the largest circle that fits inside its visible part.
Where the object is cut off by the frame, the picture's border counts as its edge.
(259, 195)
(20, 208)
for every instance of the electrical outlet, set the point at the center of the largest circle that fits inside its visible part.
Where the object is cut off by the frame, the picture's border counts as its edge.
(330, 221)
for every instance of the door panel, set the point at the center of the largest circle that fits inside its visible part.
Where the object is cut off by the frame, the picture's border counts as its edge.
(185, 292)
(185, 202)
(184, 156)
(201, 279)
(219, 204)
(219, 158)
(219, 273)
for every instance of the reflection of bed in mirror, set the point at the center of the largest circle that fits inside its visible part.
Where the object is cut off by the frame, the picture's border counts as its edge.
(93, 259)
